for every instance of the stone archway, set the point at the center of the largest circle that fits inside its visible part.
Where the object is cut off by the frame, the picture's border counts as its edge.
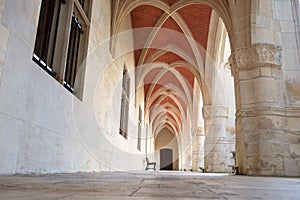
(264, 38)
(256, 67)
(196, 66)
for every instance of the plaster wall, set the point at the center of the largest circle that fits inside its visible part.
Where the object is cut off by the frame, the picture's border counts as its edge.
(43, 127)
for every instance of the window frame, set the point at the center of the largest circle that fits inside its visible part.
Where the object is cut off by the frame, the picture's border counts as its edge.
(61, 47)
(139, 138)
(125, 103)
(46, 38)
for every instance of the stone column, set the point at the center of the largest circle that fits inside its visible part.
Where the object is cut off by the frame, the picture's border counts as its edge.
(198, 149)
(216, 154)
(188, 154)
(261, 144)
(183, 158)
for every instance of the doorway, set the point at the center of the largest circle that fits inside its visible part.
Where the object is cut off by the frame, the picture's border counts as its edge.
(166, 159)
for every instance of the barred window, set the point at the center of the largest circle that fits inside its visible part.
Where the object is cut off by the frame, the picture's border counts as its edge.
(61, 41)
(73, 51)
(46, 38)
(139, 129)
(125, 103)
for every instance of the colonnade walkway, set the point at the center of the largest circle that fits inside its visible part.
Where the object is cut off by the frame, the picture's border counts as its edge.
(146, 185)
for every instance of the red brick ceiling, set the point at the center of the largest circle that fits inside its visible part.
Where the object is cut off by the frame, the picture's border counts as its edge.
(197, 19)
(169, 57)
(170, 2)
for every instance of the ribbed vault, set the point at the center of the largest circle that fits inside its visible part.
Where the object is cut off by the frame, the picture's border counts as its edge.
(168, 87)
(163, 54)
(170, 42)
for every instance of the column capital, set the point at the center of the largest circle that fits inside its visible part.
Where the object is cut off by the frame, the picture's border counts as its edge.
(255, 55)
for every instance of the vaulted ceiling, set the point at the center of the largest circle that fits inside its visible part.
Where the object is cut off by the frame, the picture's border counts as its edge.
(165, 45)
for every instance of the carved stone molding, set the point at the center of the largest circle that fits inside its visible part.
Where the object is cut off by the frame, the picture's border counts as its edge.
(200, 131)
(255, 55)
(210, 111)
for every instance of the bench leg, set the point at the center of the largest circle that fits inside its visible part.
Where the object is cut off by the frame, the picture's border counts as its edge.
(148, 166)
(236, 171)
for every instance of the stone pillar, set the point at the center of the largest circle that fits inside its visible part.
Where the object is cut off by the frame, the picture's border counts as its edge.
(183, 161)
(183, 158)
(195, 149)
(198, 149)
(216, 152)
(188, 154)
(261, 143)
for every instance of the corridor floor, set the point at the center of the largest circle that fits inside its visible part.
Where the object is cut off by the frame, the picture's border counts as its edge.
(146, 185)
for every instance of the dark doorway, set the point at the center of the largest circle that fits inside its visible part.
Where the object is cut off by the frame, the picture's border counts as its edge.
(166, 159)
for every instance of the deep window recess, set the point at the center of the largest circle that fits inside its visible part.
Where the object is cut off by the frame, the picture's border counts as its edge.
(125, 104)
(61, 41)
(73, 51)
(139, 129)
(46, 38)
(81, 3)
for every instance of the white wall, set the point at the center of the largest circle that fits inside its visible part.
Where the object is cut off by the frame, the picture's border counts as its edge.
(43, 127)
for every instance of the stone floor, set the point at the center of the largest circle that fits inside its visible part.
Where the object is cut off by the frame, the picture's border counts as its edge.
(147, 185)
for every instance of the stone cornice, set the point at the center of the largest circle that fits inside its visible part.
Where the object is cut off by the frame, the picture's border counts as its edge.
(255, 55)
(274, 111)
(210, 111)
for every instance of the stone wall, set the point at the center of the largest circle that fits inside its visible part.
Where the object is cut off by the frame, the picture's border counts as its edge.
(266, 79)
(289, 29)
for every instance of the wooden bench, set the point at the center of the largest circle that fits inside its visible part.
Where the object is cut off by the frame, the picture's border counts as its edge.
(202, 169)
(235, 169)
(149, 164)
